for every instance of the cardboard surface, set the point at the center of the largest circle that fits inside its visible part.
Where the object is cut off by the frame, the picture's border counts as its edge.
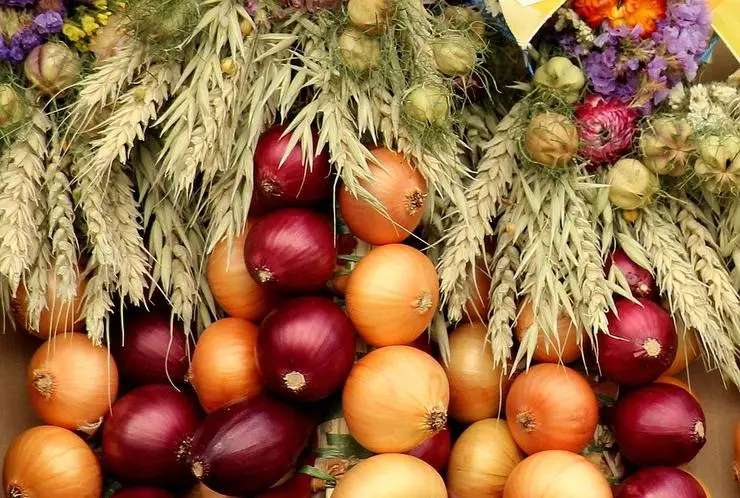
(721, 405)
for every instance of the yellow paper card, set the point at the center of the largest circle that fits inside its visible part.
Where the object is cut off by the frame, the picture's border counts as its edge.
(525, 18)
(726, 22)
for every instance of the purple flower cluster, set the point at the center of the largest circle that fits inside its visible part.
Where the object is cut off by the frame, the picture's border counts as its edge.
(16, 46)
(624, 65)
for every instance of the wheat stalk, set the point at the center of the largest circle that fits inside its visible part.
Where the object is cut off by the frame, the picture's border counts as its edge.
(702, 248)
(21, 176)
(464, 242)
(502, 314)
(594, 292)
(175, 260)
(103, 87)
(127, 226)
(36, 281)
(729, 238)
(135, 110)
(687, 294)
(199, 125)
(61, 218)
(98, 300)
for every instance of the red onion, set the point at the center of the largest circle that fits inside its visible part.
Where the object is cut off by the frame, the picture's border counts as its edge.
(150, 352)
(661, 482)
(435, 451)
(306, 348)
(291, 250)
(659, 424)
(147, 437)
(291, 182)
(640, 280)
(641, 344)
(144, 492)
(249, 446)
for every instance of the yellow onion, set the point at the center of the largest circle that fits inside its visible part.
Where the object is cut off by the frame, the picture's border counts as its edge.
(560, 75)
(719, 163)
(482, 459)
(477, 385)
(357, 50)
(631, 184)
(428, 104)
(455, 55)
(552, 139)
(395, 399)
(557, 474)
(391, 476)
(371, 16)
(52, 68)
(666, 146)
(12, 107)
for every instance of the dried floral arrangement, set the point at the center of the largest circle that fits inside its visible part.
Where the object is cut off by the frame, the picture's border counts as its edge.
(129, 131)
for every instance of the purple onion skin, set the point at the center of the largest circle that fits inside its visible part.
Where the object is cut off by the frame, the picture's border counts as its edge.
(641, 344)
(291, 250)
(147, 437)
(143, 492)
(661, 482)
(249, 446)
(436, 450)
(306, 349)
(640, 281)
(290, 183)
(659, 425)
(148, 353)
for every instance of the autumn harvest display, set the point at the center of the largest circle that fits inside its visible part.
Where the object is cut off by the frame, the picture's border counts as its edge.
(351, 249)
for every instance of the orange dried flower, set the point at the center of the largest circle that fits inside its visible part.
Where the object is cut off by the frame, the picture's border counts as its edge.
(630, 13)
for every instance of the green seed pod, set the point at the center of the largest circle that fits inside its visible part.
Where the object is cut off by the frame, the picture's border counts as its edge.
(357, 50)
(12, 107)
(52, 68)
(428, 104)
(455, 55)
(631, 184)
(719, 163)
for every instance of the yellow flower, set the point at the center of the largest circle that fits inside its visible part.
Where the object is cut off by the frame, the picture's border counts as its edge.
(73, 32)
(103, 18)
(101, 4)
(89, 24)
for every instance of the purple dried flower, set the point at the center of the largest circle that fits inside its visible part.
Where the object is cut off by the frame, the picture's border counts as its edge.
(27, 39)
(19, 3)
(48, 23)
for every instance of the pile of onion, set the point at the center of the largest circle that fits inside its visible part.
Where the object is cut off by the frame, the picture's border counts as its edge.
(72, 383)
(282, 177)
(659, 424)
(153, 349)
(232, 286)
(224, 368)
(661, 482)
(435, 451)
(556, 474)
(51, 462)
(482, 460)
(391, 476)
(146, 439)
(641, 343)
(249, 446)
(641, 282)
(402, 193)
(305, 349)
(392, 295)
(291, 250)
(395, 399)
(551, 407)
(476, 385)
(479, 287)
(563, 347)
(59, 316)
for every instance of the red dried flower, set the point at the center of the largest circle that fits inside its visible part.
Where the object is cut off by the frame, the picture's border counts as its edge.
(607, 129)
